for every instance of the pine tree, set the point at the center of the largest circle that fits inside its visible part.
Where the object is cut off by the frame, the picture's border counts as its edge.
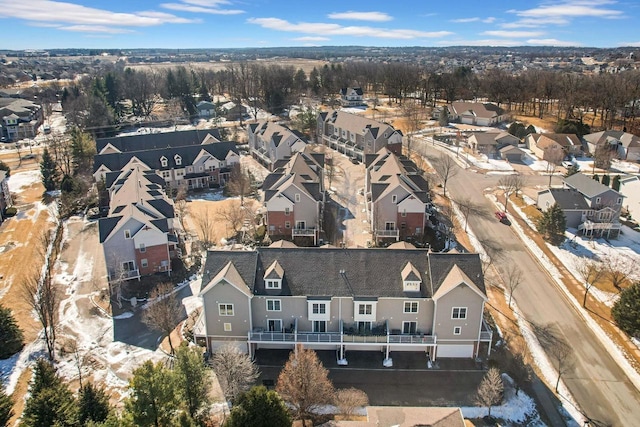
(93, 404)
(552, 224)
(49, 170)
(606, 179)
(10, 334)
(50, 401)
(192, 379)
(152, 401)
(615, 184)
(259, 407)
(83, 148)
(6, 407)
(626, 311)
(574, 169)
(596, 177)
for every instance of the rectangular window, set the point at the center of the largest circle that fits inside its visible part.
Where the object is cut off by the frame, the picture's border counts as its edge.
(272, 284)
(411, 306)
(297, 197)
(457, 330)
(129, 266)
(301, 225)
(409, 327)
(394, 198)
(404, 214)
(365, 309)
(225, 309)
(287, 211)
(273, 305)
(619, 201)
(287, 224)
(166, 174)
(144, 262)
(319, 326)
(127, 234)
(143, 247)
(274, 325)
(459, 313)
(389, 225)
(319, 308)
(598, 199)
(227, 327)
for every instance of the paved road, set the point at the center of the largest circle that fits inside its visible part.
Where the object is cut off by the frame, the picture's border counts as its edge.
(597, 383)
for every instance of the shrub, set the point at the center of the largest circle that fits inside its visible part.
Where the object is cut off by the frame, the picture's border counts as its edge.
(10, 211)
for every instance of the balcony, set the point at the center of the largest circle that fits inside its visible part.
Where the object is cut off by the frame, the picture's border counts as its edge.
(124, 275)
(486, 334)
(303, 232)
(388, 233)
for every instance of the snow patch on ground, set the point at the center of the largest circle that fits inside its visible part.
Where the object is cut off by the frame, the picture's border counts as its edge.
(209, 195)
(18, 180)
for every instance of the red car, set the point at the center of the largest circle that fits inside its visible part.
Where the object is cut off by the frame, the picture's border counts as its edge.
(502, 217)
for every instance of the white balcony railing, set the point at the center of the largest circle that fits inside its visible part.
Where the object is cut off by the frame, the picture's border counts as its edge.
(304, 232)
(388, 233)
(125, 275)
(337, 337)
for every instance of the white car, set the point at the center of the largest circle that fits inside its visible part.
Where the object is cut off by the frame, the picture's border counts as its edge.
(567, 164)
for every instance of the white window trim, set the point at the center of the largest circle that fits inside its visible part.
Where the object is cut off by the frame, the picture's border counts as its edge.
(144, 263)
(273, 284)
(127, 234)
(411, 285)
(364, 317)
(227, 327)
(226, 306)
(164, 161)
(273, 303)
(598, 200)
(394, 198)
(177, 159)
(275, 320)
(409, 321)
(457, 330)
(404, 307)
(319, 316)
(453, 309)
(143, 248)
(296, 197)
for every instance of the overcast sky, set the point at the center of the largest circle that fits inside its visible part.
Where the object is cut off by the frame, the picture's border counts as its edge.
(42, 24)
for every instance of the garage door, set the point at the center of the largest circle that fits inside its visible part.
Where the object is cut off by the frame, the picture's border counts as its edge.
(452, 350)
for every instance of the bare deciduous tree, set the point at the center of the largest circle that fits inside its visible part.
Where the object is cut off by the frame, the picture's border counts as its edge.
(304, 383)
(240, 182)
(553, 158)
(446, 168)
(164, 311)
(513, 279)
(331, 170)
(618, 268)
(490, 390)
(507, 183)
(205, 226)
(590, 272)
(235, 370)
(181, 207)
(234, 215)
(467, 208)
(562, 356)
(349, 399)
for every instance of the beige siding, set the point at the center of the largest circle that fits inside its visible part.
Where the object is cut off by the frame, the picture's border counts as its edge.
(461, 296)
(240, 322)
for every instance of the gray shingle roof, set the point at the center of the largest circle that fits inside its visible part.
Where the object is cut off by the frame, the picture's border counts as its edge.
(140, 142)
(586, 185)
(568, 198)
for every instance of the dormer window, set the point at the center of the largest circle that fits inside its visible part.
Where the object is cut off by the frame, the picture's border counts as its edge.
(164, 162)
(411, 279)
(273, 284)
(273, 276)
(178, 159)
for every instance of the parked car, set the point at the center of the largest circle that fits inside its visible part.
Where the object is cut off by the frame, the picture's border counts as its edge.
(502, 217)
(354, 161)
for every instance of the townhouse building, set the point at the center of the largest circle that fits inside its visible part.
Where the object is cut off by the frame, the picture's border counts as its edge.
(387, 300)
(19, 118)
(137, 235)
(294, 198)
(355, 135)
(270, 142)
(5, 194)
(189, 159)
(351, 96)
(397, 197)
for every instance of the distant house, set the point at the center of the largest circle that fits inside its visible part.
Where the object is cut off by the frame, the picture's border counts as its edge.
(192, 159)
(270, 142)
(512, 154)
(233, 111)
(476, 113)
(206, 109)
(294, 197)
(137, 235)
(397, 197)
(626, 145)
(554, 146)
(5, 195)
(20, 118)
(589, 206)
(351, 96)
(630, 189)
(355, 135)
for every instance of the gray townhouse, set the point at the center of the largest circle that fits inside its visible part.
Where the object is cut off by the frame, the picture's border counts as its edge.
(270, 142)
(355, 135)
(589, 206)
(387, 300)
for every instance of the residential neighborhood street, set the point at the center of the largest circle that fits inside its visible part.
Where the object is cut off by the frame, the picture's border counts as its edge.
(600, 387)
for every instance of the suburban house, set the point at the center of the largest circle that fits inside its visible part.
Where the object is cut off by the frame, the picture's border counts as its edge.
(476, 113)
(626, 145)
(386, 300)
(588, 205)
(137, 235)
(294, 198)
(5, 194)
(490, 142)
(355, 135)
(512, 154)
(397, 197)
(20, 118)
(232, 111)
(189, 160)
(630, 190)
(351, 97)
(206, 109)
(270, 142)
(554, 147)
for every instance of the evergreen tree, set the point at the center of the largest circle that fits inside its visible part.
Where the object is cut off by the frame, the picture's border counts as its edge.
(615, 183)
(83, 148)
(10, 334)
(6, 407)
(192, 379)
(50, 401)
(5, 167)
(552, 224)
(152, 401)
(574, 169)
(626, 311)
(93, 404)
(259, 407)
(596, 177)
(49, 171)
(606, 179)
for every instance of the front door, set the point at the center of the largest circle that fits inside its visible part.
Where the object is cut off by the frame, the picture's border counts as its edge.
(319, 326)
(274, 325)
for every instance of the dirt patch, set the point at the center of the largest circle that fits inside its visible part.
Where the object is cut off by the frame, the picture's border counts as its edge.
(547, 123)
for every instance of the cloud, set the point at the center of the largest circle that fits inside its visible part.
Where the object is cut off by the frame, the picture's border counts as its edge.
(57, 12)
(552, 42)
(339, 30)
(562, 13)
(488, 20)
(361, 16)
(311, 39)
(513, 34)
(202, 6)
(95, 29)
